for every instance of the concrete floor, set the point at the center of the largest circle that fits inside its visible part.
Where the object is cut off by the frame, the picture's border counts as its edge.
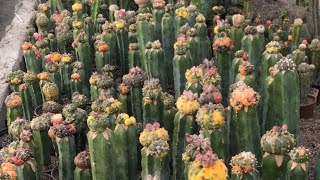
(7, 10)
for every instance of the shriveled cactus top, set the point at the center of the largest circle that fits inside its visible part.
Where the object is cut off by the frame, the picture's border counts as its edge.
(194, 75)
(211, 116)
(151, 89)
(62, 130)
(24, 87)
(168, 101)
(285, 65)
(242, 97)
(192, 9)
(79, 100)
(82, 160)
(100, 104)
(169, 8)
(197, 144)
(18, 126)
(133, 46)
(108, 70)
(97, 122)
(125, 119)
(152, 133)
(108, 27)
(51, 107)
(187, 103)
(209, 94)
(273, 47)
(74, 115)
(278, 141)
(15, 77)
(25, 136)
(30, 30)
(223, 44)
(30, 77)
(104, 81)
(242, 163)
(159, 4)
(50, 91)
(250, 30)
(182, 12)
(222, 29)
(135, 78)
(51, 67)
(13, 100)
(184, 29)
(77, 65)
(100, 19)
(156, 44)
(181, 46)
(144, 17)
(39, 124)
(300, 154)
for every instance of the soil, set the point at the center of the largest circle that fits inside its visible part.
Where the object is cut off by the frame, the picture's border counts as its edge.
(7, 9)
(309, 133)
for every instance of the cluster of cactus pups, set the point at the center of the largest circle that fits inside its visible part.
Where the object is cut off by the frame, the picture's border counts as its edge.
(124, 89)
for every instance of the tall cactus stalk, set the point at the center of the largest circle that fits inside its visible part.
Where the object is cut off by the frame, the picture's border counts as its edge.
(276, 145)
(123, 44)
(100, 148)
(299, 55)
(83, 166)
(152, 104)
(55, 77)
(204, 49)
(125, 147)
(14, 107)
(184, 122)
(236, 33)
(305, 72)
(298, 166)
(239, 57)
(133, 55)
(314, 48)
(194, 45)
(135, 80)
(27, 105)
(157, 14)
(181, 62)
(245, 121)
(280, 105)
(32, 58)
(17, 127)
(169, 112)
(180, 19)
(296, 32)
(125, 98)
(78, 68)
(168, 38)
(155, 151)
(244, 166)
(222, 47)
(156, 64)
(26, 165)
(65, 72)
(246, 75)
(103, 56)
(110, 38)
(31, 78)
(133, 33)
(75, 84)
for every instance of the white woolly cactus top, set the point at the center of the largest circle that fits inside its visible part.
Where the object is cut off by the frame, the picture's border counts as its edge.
(298, 22)
(285, 65)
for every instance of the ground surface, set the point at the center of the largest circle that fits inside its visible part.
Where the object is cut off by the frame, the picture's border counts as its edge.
(7, 9)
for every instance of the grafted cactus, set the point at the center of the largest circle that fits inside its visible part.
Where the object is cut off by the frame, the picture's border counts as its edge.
(296, 33)
(305, 72)
(17, 126)
(75, 84)
(180, 19)
(14, 107)
(14, 79)
(50, 91)
(79, 100)
(193, 77)
(239, 57)
(204, 49)
(83, 166)
(122, 44)
(246, 74)
(314, 48)
(103, 56)
(276, 145)
(298, 166)
(27, 104)
(125, 98)
(210, 94)
(51, 107)
(244, 166)
(299, 55)
(109, 37)
(157, 14)
(133, 55)
(32, 58)
(236, 33)
(65, 71)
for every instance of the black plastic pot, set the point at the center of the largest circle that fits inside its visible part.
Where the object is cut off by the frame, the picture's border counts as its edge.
(307, 110)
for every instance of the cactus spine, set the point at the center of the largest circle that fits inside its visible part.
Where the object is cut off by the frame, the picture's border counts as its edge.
(184, 122)
(83, 166)
(298, 166)
(14, 107)
(276, 149)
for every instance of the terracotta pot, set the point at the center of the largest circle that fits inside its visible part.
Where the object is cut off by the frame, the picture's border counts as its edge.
(307, 110)
(141, 3)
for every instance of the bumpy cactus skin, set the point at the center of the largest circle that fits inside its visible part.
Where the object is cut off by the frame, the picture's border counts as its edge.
(280, 105)
(298, 166)
(276, 149)
(14, 107)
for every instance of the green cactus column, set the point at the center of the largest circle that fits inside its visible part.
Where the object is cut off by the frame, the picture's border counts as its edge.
(125, 98)
(244, 125)
(78, 69)
(75, 84)
(204, 48)
(14, 107)
(168, 38)
(63, 136)
(296, 32)
(65, 71)
(276, 145)
(135, 80)
(184, 122)
(314, 48)
(252, 45)
(53, 43)
(110, 38)
(193, 12)
(246, 75)
(213, 121)
(236, 32)
(155, 161)
(239, 57)
(280, 105)
(32, 58)
(193, 77)
(27, 103)
(83, 53)
(156, 65)
(103, 56)
(244, 166)
(133, 55)
(152, 105)
(123, 45)
(42, 141)
(299, 55)
(298, 166)
(14, 79)
(222, 47)
(194, 45)
(181, 62)
(100, 148)
(125, 147)
(169, 112)
(83, 166)
(157, 14)
(247, 7)
(55, 77)
(132, 33)
(28, 170)
(145, 34)
(145, 58)
(180, 19)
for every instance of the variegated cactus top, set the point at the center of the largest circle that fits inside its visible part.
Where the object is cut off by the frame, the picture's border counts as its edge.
(113, 106)
(159, 148)
(77, 6)
(222, 28)
(102, 47)
(74, 115)
(242, 163)
(44, 76)
(278, 141)
(300, 154)
(79, 100)
(153, 133)
(13, 100)
(283, 66)
(51, 67)
(113, 7)
(218, 10)
(209, 94)
(211, 116)
(135, 78)
(15, 77)
(108, 70)
(82, 160)
(191, 33)
(273, 47)
(305, 68)
(197, 144)
(194, 75)
(18, 126)
(42, 20)
(144, 17)
(108, 27)
(123, 89)
(242, 97)
(125, 119)
(250, 30)
(168, 101)
(54, 57)
(77, 24)
(182, 12)
(97, 122)
(184, 30)
(51, 91)
(30, 30)
(103, 81)
(159, 4)
(223, 44)
(298, 22)
(188, 103)
(181, 46)
(75, 77)
(21, 155)
(120, 24)
(151, 90)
